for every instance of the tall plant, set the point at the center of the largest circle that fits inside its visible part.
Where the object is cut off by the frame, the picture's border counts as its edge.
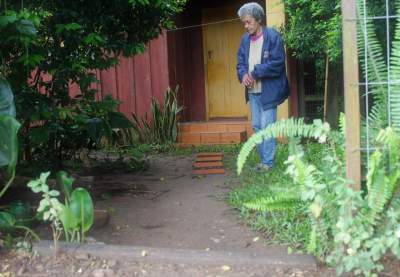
(74, 217)
(162, 127)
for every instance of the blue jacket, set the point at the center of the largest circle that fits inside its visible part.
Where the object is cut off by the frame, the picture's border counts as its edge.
(271, 71)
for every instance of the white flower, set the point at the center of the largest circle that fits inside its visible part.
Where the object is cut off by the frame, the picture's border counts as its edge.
(351, 251)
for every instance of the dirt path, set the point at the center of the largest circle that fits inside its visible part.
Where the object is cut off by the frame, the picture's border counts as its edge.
(178, 210)
(182, 222)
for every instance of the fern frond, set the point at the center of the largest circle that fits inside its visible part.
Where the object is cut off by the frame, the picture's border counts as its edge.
(290, 128)
(278, 202)
(395, 77)
(376, 66)
(382, 178)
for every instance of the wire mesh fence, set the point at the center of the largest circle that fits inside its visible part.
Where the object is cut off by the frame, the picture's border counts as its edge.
(380, 77)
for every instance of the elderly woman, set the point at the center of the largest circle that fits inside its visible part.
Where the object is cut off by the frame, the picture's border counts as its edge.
(261, 70)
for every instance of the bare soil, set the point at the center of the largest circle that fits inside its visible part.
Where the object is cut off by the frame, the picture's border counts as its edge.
(166, 207)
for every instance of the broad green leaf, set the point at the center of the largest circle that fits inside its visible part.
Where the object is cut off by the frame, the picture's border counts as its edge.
(7, 106)
(81, 206)
(9, 127)
(67, 219)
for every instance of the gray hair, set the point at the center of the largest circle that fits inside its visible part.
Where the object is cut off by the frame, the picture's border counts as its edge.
(254, 10)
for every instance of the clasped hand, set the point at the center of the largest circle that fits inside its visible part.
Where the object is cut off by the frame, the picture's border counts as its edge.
(248, 81)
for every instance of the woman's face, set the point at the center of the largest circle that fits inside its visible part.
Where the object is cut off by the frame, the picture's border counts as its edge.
(250, 24)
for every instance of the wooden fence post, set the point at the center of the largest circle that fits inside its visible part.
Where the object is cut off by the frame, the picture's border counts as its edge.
(351, 92)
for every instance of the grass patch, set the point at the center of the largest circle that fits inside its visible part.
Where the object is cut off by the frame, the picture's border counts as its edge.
(283, 222)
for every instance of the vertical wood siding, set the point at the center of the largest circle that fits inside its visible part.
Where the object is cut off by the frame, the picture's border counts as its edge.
(135, 80)
(186, 66)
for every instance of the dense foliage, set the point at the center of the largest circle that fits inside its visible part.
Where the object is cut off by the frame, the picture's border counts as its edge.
(320, 21)
(314, 21)
(63, 42)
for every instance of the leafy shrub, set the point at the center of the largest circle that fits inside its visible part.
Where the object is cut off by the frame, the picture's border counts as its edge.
(351, 230)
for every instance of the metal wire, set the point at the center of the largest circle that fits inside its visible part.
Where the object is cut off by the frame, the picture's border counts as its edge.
(201, 25)
(388, 61)
(366, 79)
(389, 82)
(374, 17)
(212, 23)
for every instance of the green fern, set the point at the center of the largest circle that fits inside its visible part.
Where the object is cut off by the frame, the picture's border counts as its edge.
(290, 128)
(395, 76)
(277, 202)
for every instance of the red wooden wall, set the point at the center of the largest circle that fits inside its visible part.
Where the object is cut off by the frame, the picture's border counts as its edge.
(135, 80)
(172, 59)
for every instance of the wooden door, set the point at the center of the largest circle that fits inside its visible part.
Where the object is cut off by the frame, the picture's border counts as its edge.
(225, 95)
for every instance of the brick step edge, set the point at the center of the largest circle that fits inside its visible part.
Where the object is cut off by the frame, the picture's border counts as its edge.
(209, 159)
(199, 165)
(209, 154)
(208, 171)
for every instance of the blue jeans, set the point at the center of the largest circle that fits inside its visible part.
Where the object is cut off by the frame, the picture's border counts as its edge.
(260, 120)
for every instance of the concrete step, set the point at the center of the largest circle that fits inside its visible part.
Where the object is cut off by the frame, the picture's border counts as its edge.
(275, 257)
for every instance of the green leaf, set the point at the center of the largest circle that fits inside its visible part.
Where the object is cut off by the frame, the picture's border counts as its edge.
(54, 193)
(26, 27)
(67, 219)
(73, 26)
(9, 127)
(43, 177)
(7, 19)
(7, 221)
(33, 183)
(67, 27)
(94, 39)
(81, 206)
(65, 183)
(7, 106)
